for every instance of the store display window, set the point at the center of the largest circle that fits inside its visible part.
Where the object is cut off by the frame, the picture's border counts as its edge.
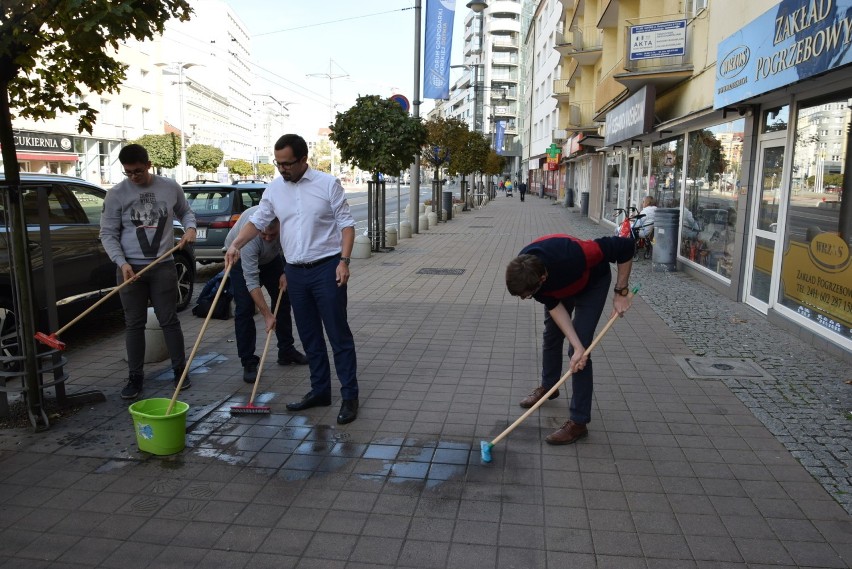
(816, 267)
(612, 185)
(666, 171)
(709, 213)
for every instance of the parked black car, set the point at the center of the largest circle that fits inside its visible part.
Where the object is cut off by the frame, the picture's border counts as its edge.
(217, 208)
(82, 271)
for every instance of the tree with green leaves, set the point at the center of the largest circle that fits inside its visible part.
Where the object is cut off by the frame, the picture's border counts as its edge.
(52, 54)
(377, 135)
(239, 167)
(204, 157)
(320, 156)
(444, 143)
(470, 158)
(266, 170)
(163, 149)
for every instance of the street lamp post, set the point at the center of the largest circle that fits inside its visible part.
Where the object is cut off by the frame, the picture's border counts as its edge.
(181, 66)
(478, 6)
(414, 187)
(331, 77)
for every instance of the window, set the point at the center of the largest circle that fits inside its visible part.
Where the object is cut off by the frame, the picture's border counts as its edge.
(709, 213)
(61, 207)
(92, 203)
(692, 7)
(666, 171)
(815, 267)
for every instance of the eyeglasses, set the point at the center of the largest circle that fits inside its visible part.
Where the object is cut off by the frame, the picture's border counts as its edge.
(286, 164)
(137, 172)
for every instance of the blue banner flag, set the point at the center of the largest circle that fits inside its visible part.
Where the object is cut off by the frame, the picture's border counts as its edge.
(498, 143)
(439, 43)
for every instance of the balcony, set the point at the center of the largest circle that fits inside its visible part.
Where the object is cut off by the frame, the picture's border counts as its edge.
(504, 26)
(504, 42)
(583, 44)
(561, 89)
(662, 72)
(580, 116)
(567, 4)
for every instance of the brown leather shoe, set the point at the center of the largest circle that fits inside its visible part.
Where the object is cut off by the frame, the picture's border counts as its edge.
(536, 394)
(570, 432)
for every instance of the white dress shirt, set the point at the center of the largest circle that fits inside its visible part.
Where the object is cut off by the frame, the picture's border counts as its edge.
(312, 213)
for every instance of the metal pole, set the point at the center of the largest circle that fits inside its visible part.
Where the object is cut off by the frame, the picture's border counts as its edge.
(414, 191)
(182, 126)
(398, 206)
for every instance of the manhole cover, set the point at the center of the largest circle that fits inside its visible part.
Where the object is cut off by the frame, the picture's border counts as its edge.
(433, 271)
(387, 264)
(708, 367)
(482, 226)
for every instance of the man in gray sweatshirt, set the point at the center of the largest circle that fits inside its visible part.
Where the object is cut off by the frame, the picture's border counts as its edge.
(136, 229)
(261, 265)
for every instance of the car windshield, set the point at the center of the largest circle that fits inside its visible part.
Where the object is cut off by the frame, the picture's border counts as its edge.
(211, 201)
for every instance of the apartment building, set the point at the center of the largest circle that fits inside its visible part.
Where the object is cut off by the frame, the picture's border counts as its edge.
(486, 94)
(196, 81)
(544, 98)
(739, 127)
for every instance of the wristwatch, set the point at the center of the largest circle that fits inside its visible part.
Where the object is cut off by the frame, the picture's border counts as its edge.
(346, 260)
(621, 291)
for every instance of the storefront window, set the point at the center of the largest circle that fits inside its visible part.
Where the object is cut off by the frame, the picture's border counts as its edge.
(611, 185)
(775, 119)
(816, 268)
(709, 215)
(666, 171)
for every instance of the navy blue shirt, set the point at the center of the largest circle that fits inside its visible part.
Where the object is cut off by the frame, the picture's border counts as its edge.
(572, 263)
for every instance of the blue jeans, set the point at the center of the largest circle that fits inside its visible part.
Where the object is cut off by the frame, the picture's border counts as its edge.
(159, 285)
(586, 309)
(244, 325)
(319, 303)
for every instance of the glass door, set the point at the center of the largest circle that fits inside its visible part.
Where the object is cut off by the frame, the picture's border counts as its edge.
(764, 225)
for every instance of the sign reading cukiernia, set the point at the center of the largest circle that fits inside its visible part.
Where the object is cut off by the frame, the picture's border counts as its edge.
(794, 40)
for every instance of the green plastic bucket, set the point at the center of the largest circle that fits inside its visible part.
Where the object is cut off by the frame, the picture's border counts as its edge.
(157, 432)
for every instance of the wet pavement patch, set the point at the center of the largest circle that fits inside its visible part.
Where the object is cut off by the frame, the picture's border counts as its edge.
(720, 368)
(289, 445)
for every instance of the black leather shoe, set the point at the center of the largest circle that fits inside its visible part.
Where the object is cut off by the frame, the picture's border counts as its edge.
(250, 370)
(348, 411)
(292, 356)
(308, 401)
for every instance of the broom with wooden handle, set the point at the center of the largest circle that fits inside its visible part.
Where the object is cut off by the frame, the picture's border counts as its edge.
(198, 340)
(485, 446)
(251, 407)
(53, 340)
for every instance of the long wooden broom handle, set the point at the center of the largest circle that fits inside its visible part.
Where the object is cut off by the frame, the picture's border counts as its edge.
(265, 349)
(562, 380)
(198, 340)
(115, 290)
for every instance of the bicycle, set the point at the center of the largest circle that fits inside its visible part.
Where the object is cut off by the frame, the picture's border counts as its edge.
(630, 226)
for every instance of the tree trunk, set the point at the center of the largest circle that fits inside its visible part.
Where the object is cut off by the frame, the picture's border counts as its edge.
(20, 261)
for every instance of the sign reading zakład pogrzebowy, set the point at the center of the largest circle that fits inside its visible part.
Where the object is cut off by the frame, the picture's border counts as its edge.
(794, 40)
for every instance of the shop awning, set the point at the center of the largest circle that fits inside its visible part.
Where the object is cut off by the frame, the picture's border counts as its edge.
(47, 157)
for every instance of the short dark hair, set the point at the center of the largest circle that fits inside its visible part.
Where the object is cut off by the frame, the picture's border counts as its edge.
(133, 154)
(296, 143)
(523, 274)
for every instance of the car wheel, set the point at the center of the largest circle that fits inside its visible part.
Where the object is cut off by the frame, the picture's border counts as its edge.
(186, 276)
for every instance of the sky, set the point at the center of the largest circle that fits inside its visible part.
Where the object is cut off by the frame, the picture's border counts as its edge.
(367, 47)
